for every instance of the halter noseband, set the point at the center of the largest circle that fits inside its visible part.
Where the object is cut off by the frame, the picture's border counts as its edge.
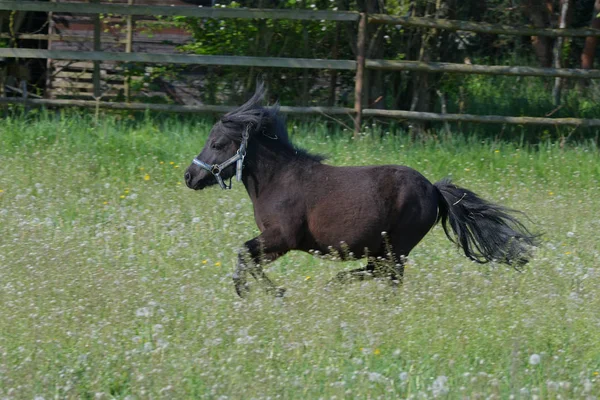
(238, 158)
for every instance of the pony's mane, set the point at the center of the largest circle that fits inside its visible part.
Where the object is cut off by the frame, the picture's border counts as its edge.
(267, 122)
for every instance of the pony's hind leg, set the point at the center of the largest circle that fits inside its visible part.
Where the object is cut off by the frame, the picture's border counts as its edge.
(390, 269)
(358, 274)
(397, 272)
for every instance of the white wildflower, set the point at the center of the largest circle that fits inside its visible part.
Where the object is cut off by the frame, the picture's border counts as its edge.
(143, 312)
(534, 359)
(439, 387)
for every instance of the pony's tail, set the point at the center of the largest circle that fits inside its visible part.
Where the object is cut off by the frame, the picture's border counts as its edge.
(485, 231)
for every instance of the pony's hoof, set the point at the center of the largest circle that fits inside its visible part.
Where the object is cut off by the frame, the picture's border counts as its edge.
(277, 291)
(242, 289)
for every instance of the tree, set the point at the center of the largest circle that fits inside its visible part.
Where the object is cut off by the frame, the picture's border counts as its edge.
(591, 42)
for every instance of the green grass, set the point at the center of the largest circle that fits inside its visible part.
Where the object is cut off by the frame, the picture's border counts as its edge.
(115, 279)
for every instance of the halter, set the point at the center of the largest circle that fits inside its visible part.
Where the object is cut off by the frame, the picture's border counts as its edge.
(238, 158)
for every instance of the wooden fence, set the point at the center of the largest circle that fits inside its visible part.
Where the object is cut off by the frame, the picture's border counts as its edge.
(359, 65)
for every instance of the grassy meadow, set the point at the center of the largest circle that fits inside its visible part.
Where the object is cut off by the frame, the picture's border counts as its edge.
(115, 279)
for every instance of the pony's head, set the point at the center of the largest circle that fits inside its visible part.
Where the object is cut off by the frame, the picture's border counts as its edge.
(224, 149)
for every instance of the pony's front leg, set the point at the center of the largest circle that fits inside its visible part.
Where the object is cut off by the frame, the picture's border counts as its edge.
(261, 250)
(240, 277)
(255, 268)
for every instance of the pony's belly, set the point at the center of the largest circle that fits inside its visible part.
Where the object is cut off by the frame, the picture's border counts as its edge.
(352, 243)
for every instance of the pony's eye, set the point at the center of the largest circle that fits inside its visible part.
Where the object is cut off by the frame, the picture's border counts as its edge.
(216, 146)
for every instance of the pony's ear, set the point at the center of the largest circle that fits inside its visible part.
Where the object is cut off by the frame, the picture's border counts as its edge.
(258, 97)
(248, 107)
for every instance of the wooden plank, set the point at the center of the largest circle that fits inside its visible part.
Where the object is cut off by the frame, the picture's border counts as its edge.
(167, 107)
(111, 95)
(83, 85)
(78, 76)
(108, 76)
(84, 65)
(480, 27)
(275, 62)
(57, 37)
(485, 119)
(394, 65)
(208, 12)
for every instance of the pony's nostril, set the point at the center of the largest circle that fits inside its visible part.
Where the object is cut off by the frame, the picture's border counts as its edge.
(187, 176)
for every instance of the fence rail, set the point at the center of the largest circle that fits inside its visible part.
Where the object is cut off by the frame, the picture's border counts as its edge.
(309, 15)
(164, 107)
(480, 27)
(358, 65)
(308, 63)
(179, 11)
(396, 114)
(275, 62)
(482, 69)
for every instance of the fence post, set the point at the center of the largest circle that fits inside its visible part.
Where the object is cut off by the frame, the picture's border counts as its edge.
(360, 72)
(128, 49)
(97, 47)
(49, 63)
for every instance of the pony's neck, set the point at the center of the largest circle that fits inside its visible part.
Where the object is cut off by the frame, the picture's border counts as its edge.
(265, 163)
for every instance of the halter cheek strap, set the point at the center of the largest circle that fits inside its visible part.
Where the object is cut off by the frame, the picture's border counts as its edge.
(238, 159)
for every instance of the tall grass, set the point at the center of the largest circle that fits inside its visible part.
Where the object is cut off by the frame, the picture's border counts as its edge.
(115, 280)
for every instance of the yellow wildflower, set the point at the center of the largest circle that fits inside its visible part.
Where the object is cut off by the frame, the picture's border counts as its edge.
(105, 203)
(172, 162)
(122, 196)
(146, 177)
(204, 261)
(218, 264)
(496, 151)
(162, 162)
(377, 352)
(307, 278)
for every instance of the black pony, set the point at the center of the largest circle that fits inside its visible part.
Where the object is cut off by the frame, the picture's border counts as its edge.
(374, 211)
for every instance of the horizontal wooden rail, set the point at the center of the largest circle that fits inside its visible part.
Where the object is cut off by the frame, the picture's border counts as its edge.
(485, 119)
(316, 15)
(397, 114)
(480, 27)
(184, 11)
(165, 107)
(279, 62)
(275, 62)
(481, 69)
(68, 38)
